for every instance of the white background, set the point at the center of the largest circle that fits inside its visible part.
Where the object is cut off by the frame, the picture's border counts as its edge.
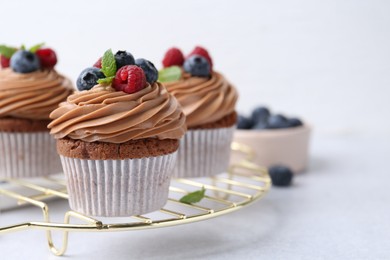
(326, 61)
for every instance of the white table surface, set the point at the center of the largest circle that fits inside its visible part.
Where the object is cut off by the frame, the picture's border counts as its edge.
(338, 209)
(326, 61)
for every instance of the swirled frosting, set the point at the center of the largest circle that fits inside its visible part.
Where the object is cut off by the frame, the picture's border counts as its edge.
(204, 100)
(32, 95)
(106, 115)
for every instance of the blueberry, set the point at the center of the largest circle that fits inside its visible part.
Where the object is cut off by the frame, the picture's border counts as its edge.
(244, 122)
(260, 115)
(294, 122)
(149, 69)
(197, 65)
(88, 78)
(280, 175)
(123, 58)
(24, 62)
(277, 121)
(260, 125)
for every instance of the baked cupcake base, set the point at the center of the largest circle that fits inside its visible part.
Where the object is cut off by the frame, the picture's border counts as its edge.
(118, 188)
(205, 150)
(26, 149)
(114, 186)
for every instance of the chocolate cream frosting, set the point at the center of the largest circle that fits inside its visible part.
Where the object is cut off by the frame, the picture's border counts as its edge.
(204, 100)
(106, 115)
(32, 95)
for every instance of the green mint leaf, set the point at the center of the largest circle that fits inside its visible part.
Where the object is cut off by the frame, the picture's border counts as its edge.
(7, 51)
(106, 81)
(169, 74)
(108, 64)
(36, 47)
(193, 197)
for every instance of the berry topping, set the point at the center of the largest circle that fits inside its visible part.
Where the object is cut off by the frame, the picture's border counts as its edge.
(24, 62)
(88, 78)
(47, 57)
(170, 74)
(4, 61)
(294, 122)
(280, 175)
(244, 122)
(129, 79)
(173, 57)
(197, 65)
(123, 58)
(277, 121)
(6, 53)
(204, 53)
(98, 63)
(149, 69)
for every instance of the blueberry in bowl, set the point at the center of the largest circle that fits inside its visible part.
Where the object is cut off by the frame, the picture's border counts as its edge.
(275, 138)
(244, 122)
(277, 121)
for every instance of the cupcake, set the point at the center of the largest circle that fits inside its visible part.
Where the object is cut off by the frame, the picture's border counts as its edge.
(117, 138)
(208, 101)
(30, 89)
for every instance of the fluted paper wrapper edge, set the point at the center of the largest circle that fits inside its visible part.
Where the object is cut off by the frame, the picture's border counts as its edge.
(115, 188)
(204, 152)
(27, 155)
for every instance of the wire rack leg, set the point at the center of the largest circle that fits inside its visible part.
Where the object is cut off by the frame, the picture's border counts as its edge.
(46, 216)
(68, 215)
(49, 237)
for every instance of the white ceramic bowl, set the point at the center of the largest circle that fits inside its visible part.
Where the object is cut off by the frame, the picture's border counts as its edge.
(288, 146)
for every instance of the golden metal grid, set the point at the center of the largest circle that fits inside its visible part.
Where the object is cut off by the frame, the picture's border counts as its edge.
(244, 183)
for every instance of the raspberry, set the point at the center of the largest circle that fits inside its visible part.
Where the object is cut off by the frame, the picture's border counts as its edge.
(204, 53)
(129, 79)
(4, 61)
(98, 64)
(47, 57)
(172, 57)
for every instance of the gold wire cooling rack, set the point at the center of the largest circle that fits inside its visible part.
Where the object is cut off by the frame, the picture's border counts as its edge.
(244, 183)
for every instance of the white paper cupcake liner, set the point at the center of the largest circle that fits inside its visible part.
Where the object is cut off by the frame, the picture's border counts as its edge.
(204, 152)
(25, 155)
(118, 188)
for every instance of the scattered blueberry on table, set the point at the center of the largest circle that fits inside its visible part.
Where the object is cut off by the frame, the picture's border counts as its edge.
(262, 118)
(280, 175)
